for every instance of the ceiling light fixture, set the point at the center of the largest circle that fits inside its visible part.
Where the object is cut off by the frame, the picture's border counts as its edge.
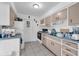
(36, 6)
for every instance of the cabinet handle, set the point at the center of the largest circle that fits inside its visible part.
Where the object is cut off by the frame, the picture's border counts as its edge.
(67, 55)
(68, 50)
(71, 42)
(68, 44)
(52, 43)
(71, 20)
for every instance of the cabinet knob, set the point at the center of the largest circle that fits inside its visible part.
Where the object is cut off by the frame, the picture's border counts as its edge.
(71, 20)
(52, 43)
(68, 50)
(67, 55)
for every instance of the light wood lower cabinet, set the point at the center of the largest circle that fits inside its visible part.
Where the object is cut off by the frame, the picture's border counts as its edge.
(52, 45)
(43, 41)
(56, 48)
(62, 47)
(65, 53)
(48, 44)
(71, 44)
(71, 48)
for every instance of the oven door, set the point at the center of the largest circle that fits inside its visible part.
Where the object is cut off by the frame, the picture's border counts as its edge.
(39, 35)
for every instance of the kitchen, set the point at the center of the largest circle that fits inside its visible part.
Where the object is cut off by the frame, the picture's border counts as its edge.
(39, 29)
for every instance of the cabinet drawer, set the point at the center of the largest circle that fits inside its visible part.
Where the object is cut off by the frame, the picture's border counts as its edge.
(70, 50)
(64, 53)
(71, 44)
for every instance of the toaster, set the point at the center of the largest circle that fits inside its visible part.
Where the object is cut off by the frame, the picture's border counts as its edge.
(75, 37)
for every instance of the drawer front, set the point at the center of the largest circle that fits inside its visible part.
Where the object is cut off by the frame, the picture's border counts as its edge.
(71, 44)
(70, 50)
(64, 53)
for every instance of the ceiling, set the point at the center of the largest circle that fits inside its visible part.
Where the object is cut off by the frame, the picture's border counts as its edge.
(27, 8)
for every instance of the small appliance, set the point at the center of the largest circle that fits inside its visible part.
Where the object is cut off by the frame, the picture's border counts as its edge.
(75, 36)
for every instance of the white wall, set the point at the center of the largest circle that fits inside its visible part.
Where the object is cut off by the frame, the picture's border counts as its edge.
(28, 34)
(4, 14)
(19, 25)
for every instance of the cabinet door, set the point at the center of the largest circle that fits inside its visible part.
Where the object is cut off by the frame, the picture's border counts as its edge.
(64, 53)
(48, 44)
(12, 16)
(42, 21)
(43, 41)
(57, 49)
(62, 14)
(74, 15)
(48, 21)
(71, 44)
(70, 50)
(55, 18)
(52, 43)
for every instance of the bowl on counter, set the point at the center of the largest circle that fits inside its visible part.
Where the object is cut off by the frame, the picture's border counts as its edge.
(61, 35)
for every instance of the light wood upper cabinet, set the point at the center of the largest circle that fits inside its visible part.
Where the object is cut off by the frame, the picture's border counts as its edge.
(63, 14)
(12, 16)
(42, 21)
(73, 14)
(53, 17)
(59, 16)
(48, 21)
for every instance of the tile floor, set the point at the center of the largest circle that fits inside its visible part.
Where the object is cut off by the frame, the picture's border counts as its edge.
(35, 49)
